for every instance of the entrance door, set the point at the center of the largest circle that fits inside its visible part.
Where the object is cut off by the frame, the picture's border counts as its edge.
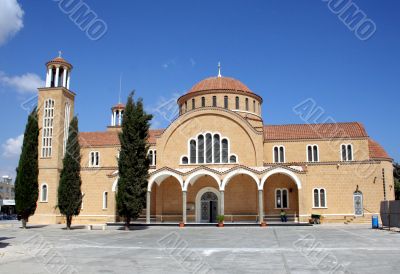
(209, 207)
(358, 204)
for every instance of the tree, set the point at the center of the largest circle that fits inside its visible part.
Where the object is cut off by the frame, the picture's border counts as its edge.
(69, 188)
(396, 175)
(26, 181)
(133, 163)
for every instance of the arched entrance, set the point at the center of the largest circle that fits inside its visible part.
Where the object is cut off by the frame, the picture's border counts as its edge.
(280, 193)
(164, 197)
(241, 197)
(207, 205)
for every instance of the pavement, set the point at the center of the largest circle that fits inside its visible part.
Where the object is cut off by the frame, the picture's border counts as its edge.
(316, 249)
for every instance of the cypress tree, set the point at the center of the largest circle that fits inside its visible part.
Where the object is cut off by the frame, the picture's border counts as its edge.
(26, 181)
(133, 163)
(69, 188)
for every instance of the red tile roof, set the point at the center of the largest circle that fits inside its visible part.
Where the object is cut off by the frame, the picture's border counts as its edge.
(220, 83)
(314, 131)
(376, 151)
(110, 138)
(153, 134)
(59, 60)
(118, 106)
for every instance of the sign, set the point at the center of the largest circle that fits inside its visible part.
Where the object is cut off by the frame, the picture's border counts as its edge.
(7, 202)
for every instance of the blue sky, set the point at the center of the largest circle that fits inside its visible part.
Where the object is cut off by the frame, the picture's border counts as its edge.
(285, 51)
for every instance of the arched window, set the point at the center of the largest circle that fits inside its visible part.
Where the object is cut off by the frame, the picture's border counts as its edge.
(44, 193)
(347, 152)
(237, 103)
(224, 150)
(193, 103)
(247, 104)
(150, 156)
(192, 152)
(225, 101)
(94, 160)
(319, 198)
(214, 101)
(203, 101)
(209, 148)
(312, 153)
(217, 149)
(200, 141)
(281, 198)
(350, 152)
(186, 106)
(254, 105)
(279, 154)
(47, 129)
(67, 111)
(105, 200)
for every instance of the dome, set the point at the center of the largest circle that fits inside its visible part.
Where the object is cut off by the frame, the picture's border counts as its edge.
(220, 83)
(59, 61)
(118, 106)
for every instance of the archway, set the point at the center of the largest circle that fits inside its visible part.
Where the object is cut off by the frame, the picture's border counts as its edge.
(207, 205)
(241, 202)
(280, 193)
(164, 200)
(196, 185)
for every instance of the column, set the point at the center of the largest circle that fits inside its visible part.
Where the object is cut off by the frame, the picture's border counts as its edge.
(69, 79)
(119, 117)
(64, 77)
(184, 207)
(260, 205)
(57, 75)
(48, 78)
(113, 122)
(148, 203)
(222, 204)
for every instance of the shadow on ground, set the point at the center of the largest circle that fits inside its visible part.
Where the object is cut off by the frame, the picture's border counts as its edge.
(3, 245)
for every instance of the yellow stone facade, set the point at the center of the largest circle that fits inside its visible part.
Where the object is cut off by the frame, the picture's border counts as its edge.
(239, 173)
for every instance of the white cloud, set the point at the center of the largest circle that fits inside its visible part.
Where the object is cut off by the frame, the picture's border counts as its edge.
(11, 22)
(26, 83)
(12, 147)
(169, 63)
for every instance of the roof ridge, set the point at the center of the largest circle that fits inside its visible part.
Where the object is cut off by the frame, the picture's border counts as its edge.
(310, 124)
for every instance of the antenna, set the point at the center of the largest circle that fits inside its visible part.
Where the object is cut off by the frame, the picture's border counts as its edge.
(60, 53)
(219, 70)
(120, 88)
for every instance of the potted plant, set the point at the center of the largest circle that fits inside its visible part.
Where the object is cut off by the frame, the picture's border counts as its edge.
(263, 224)
(220, 219)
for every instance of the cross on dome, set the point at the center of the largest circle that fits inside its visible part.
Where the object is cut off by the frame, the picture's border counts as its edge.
(219, 70)
(60, 53)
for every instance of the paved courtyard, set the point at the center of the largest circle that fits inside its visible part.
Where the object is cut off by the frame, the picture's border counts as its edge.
(326, 248)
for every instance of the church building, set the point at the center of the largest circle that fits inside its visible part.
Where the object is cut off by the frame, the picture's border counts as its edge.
(216, 158)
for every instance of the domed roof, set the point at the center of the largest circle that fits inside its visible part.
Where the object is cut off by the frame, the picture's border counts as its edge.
(59, 60)
(118, 106)
(220, 83)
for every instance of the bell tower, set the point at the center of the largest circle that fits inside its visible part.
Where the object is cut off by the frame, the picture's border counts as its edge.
(117, 112)
(55, 111)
